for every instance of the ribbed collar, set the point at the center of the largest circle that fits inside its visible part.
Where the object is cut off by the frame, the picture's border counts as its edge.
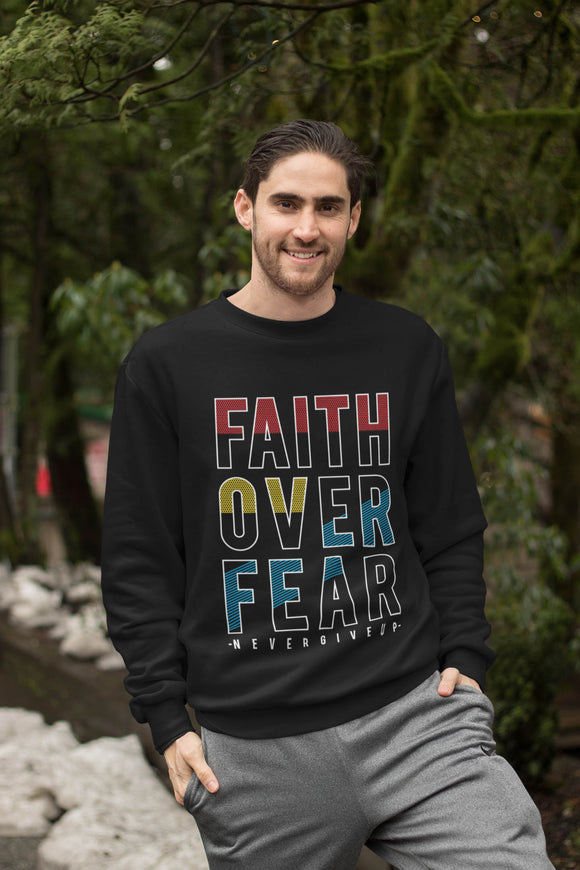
(288, 329)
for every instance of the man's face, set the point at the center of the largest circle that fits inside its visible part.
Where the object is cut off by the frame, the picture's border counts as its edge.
(300, 222)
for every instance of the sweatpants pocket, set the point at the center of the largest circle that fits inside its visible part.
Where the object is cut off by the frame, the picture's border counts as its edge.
(189, 798)
(194, 791)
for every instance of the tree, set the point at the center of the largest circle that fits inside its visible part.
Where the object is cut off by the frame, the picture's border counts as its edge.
(463, 110)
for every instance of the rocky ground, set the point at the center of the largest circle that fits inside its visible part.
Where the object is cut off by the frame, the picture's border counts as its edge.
(91, 806)
(65, 601)
(65, 804)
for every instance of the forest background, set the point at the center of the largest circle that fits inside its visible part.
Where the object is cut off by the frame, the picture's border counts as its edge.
(123, 127)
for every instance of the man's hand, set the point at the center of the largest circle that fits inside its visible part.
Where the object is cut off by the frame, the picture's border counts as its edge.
(450, 678)
(184, 757)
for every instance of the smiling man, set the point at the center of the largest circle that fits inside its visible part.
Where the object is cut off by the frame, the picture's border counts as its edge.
(300, 217)
(293, 545)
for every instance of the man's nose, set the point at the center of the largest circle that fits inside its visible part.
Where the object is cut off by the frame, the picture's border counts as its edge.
(306, 227)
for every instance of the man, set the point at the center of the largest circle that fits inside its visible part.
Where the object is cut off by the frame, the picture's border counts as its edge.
(293, 545)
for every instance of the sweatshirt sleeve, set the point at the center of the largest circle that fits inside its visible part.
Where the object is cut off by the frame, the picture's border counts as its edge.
(446, 522)
(143, 567)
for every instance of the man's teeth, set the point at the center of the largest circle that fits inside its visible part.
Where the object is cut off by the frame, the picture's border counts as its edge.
(300, 256)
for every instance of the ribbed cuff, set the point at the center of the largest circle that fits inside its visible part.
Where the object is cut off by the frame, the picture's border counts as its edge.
(469, 663)
(167, 721)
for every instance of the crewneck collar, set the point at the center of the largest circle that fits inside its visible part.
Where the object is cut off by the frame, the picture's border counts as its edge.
(279, 328)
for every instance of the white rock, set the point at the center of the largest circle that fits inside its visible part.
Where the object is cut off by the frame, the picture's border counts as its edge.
(28, 616)
(61, 575)
(93, 616)
(87, 572)
(113, 661)
(34, 574)
(60, 628)
(119, 814)
(85, 645)
(33, 605)
(27, 805)
(14, 721)
(83, 593)
(86, 636)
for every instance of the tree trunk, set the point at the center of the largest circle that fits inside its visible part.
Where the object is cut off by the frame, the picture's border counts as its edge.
(408, 191)
(8, 538)
(565, 490)
(130, 233)
(79, 517)
(381, 267)
(33, 385)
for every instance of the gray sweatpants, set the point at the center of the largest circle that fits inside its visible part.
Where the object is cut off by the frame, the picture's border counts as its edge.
(418, 781)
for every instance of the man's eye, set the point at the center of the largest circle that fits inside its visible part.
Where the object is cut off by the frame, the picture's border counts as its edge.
(285, 203)
(328, 208)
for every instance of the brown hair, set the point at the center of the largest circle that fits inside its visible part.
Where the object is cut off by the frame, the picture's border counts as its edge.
(295, 137)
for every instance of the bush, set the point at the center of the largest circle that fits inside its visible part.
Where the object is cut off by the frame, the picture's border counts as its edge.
(532, 630)
(532, 627)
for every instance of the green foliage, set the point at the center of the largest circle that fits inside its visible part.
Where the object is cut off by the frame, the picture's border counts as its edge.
(532, 627)
(531, 637)
(47, 64)
(510, 476)
(227, 260)
(9, 547)
(106, 315)
(226, 251)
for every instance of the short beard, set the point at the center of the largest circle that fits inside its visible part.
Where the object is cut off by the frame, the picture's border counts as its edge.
(294, 288)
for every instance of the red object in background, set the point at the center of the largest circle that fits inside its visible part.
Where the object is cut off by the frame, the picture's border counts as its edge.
(43, 484)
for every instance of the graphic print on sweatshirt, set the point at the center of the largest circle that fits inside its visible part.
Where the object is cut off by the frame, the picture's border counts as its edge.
(304, 519)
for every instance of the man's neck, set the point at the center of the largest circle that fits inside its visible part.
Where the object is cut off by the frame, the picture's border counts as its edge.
(280, 305)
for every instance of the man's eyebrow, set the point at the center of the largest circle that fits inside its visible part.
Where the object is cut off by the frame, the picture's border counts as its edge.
(294, 197)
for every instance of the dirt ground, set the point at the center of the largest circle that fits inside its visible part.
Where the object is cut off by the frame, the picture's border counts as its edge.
(559, 803)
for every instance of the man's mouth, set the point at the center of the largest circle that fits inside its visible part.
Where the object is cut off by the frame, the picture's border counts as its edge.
(303, 255)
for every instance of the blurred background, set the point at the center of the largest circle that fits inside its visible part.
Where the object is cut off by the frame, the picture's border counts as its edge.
(123, 129)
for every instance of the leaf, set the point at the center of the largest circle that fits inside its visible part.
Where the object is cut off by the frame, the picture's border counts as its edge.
(132, 93)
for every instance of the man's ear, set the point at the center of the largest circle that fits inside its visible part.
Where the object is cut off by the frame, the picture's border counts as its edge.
(244, 209)
(354, 219)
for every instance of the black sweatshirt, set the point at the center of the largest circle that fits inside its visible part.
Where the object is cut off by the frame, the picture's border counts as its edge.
(293, 535)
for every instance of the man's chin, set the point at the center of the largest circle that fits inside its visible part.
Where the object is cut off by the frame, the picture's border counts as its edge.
(303, 287)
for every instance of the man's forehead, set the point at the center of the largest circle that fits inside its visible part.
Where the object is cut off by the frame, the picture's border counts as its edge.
(307, 173)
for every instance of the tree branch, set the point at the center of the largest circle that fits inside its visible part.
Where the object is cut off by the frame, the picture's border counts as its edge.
(89, 94)
(164, 51)
(450, 98)
(549, 71)
(284, 7)
(478, 11)
(214, 85)
(388, 61)
(209, 42)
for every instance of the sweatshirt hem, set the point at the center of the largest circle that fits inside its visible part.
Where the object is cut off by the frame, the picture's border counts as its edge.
(288, 721)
